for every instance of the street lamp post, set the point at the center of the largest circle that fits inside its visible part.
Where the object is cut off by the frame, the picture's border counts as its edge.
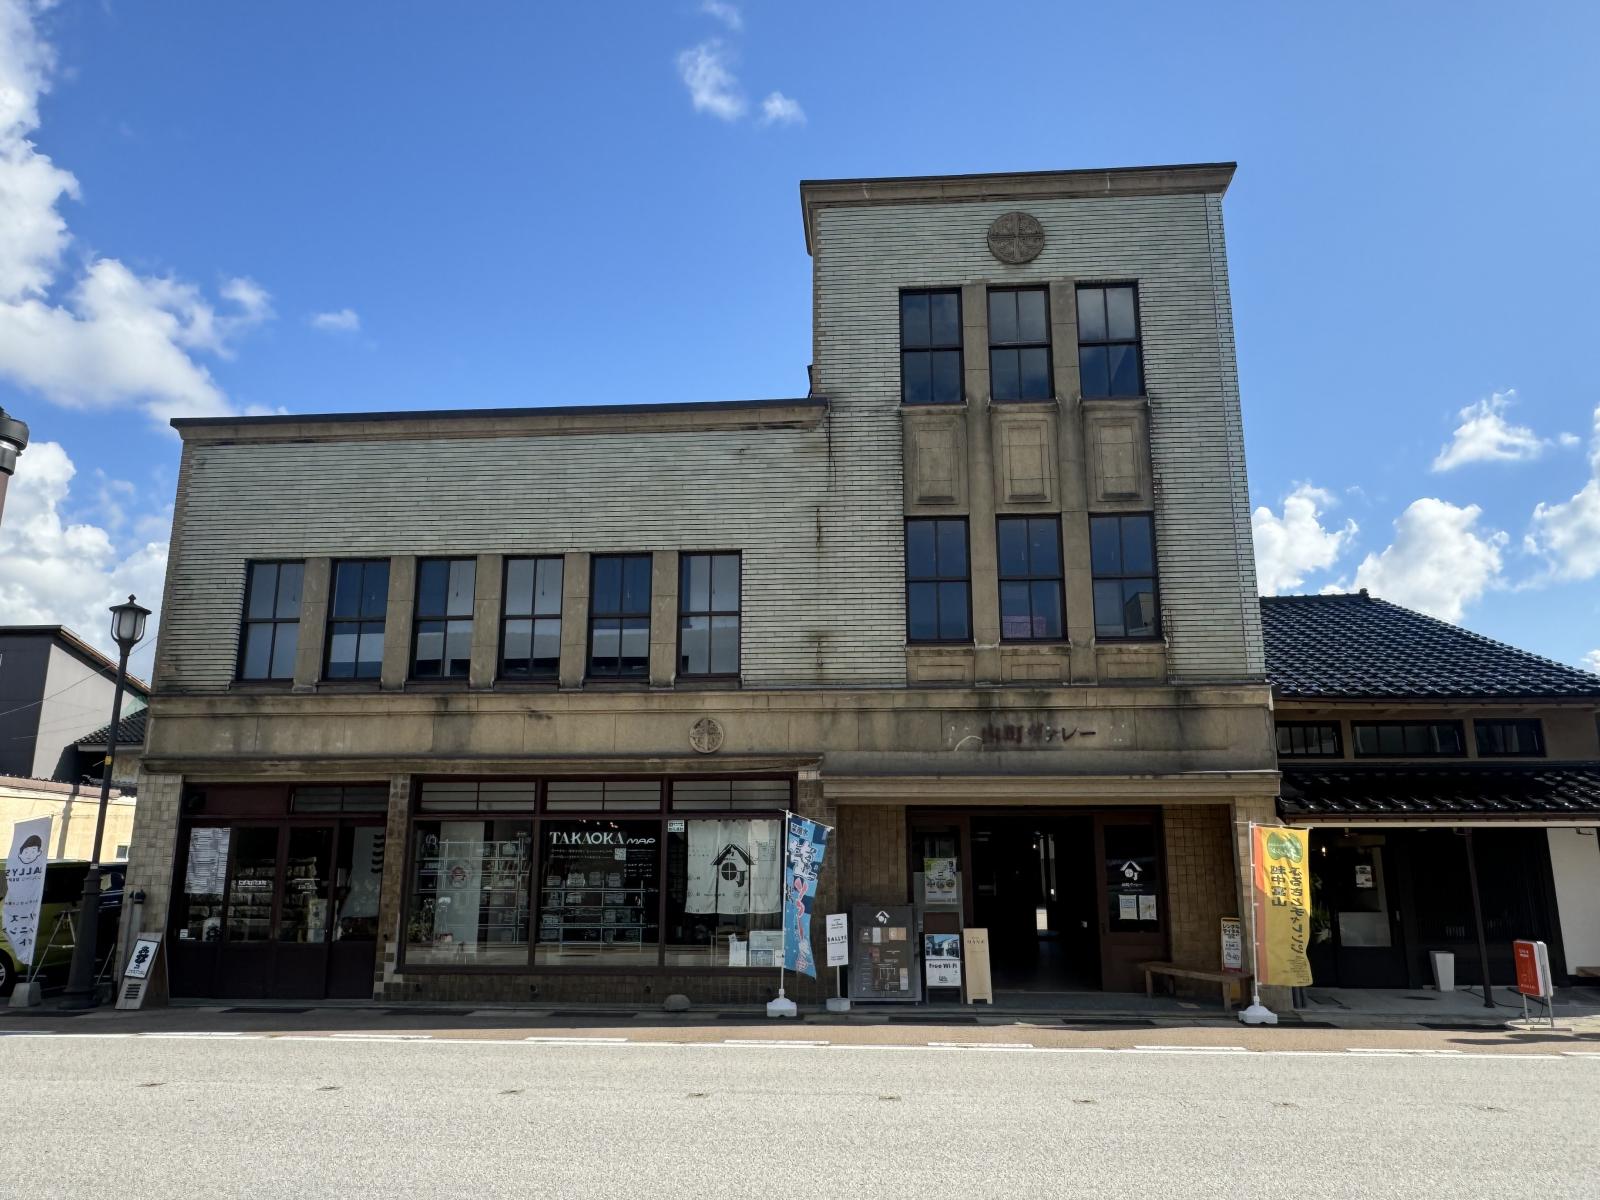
(127, 630)
(13, 440)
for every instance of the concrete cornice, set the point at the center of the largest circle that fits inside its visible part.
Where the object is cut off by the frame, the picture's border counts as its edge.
(1039, 789)
(804, 413)
(1177, 180)
(239, 768)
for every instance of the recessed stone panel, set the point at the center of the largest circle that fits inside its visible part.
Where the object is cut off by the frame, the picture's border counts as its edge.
(1025, 446)
(1119, 455)
(936, 459)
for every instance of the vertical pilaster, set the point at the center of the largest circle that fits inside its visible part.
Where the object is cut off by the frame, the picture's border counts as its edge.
(486, 594)
(574, 618)
(663, 618)
(1078, 577)
(391, 917)
(309, 650)
(984, 563)
(151, 850)
(397, 622)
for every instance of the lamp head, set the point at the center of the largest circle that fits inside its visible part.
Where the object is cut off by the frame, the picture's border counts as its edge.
(127, 624)
(13, 441)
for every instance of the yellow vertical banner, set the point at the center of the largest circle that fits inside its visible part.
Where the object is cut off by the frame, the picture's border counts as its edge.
(1281, 859)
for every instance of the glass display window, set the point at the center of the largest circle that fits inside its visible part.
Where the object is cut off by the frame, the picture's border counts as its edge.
(724, 892)
(470, 893)
(303, 915)
(358, 883)
(599, 893)
(205, 877)
(253, 887)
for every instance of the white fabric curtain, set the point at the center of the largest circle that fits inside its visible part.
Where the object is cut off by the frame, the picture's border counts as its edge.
(733, 867)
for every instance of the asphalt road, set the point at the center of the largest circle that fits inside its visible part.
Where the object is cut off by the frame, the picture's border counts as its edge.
(348, 1115)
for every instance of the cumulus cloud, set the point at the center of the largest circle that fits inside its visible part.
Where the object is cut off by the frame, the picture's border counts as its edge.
(64, 572)
(104, 336)
(778, 109)
(1485, 435)
(728, 14)
(1591, 661)
(1439, 562)
(705, 71)
(1567, 535)
(1292, 545)
(345, 320)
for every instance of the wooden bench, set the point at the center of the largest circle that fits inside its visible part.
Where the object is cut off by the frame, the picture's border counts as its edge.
(1228, 979)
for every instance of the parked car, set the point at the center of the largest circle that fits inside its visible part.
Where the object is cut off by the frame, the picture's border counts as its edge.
(63, 887)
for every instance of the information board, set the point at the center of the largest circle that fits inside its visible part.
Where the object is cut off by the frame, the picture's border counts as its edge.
(838, 940)
(883, 955)
(979, 985)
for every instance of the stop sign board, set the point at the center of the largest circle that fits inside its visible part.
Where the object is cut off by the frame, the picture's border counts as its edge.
(1533, 969)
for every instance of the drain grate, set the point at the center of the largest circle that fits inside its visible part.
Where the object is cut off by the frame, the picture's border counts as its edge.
(273, 1010)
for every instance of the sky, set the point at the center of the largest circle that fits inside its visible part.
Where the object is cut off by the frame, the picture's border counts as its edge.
(307, 207)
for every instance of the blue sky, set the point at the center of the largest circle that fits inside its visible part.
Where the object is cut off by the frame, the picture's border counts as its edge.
(318, 207)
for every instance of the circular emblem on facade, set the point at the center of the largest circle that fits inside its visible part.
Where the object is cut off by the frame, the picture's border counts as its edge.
(705, 735)
(1016, 237)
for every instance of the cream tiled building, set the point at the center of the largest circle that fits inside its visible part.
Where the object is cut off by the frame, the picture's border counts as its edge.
(505, 705)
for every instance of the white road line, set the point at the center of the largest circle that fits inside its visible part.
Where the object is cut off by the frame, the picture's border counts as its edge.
(771, 1042)
(607, 1041)
(1425, 1052)
(983, 1045)
(230, 1035)
(1196, 1049)
(383, 1037)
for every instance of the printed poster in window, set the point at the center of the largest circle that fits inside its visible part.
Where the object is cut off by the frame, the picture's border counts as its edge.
(940, 883)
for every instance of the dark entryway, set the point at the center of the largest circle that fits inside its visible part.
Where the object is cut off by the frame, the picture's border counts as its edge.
(1034, 890)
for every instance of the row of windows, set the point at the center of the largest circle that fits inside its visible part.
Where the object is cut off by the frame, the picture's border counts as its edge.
(1501, 738)
(1109, 357)
(939, 578)
(530, 618)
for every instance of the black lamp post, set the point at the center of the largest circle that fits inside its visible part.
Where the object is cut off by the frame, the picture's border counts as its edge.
(13, 441)
(127, 630)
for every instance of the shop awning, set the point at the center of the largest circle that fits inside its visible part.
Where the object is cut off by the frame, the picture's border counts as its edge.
(1564, 792)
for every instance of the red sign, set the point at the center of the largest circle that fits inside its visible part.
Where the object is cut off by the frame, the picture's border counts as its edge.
(1533, 968)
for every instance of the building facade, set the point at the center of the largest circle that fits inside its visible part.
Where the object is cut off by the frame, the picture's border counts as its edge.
(1452, 784)
(507, 705)
(55, 688)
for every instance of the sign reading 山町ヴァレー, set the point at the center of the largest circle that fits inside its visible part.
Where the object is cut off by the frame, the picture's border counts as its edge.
(25, 867)
(1281, 859)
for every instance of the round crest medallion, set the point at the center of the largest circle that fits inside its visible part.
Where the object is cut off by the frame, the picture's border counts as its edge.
(705, 735)
(1016, 237)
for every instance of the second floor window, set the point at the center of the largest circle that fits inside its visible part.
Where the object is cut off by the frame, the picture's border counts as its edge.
(530, 642)
(1408, 739)
(1030, 579)
(1521, 737)
(937, 581)
(930, 347)
(443, 622)
(1108, 341)
(271, 634)
(1122, 558)
(1019, 345)
(355, 618)
(619, 616)
(1309, 739)
(708, 615)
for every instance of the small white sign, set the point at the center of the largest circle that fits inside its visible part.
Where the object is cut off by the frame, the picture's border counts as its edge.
(1127, 908)
(1232, 944)
(1147, 908)
(838, 940)
(1363, 875)
(143, 956)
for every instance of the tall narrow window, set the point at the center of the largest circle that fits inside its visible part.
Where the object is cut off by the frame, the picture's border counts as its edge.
(271, 632)
(530, 644)
(1030, 579)
(1122, 558)
(930, 347)
(1019, 344)
(445, 589)
(708, 615)
(1109, 362)
(355, 618)
(938, 582)
(619, 616)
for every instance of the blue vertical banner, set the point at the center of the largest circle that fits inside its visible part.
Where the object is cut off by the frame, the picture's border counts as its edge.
(807, 845)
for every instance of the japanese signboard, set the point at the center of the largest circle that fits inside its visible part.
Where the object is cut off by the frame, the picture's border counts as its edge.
(1533, 969)
(1280, 861)
(25, 866)
(940, 881)
(883, 956)
(941, 958)
(808, 845)
(838, 940)
(143, 956)
(1232, 944)
(979, 985)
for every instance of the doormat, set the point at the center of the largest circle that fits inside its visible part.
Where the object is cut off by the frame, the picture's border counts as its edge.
(267, 1008)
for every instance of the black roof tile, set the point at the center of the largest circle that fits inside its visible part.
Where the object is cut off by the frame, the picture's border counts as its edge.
(1357, 646)
(1546, 790)
(130, 732)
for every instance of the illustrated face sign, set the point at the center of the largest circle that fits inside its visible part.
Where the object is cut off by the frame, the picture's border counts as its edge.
(31, 851)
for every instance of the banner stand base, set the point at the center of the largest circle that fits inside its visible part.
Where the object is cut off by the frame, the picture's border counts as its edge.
(838, 1004)
(26, 995)
(1258, 1014)
(782, 1007)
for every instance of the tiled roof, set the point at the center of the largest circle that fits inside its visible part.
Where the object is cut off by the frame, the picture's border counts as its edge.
(1358, 646)
(1546, 790)
(130, 732)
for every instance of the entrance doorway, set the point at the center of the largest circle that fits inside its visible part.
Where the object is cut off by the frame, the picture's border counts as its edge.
(1034, 890)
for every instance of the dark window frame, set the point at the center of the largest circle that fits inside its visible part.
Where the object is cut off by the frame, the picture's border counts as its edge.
(246, 621)
(1154, 577)
(360, 622)
(1137, 341)
(1334, 726)
(684, 613)
(533, 616)
(931, 348)
(1032, 577)
(418, 617)
(1480, 726)
(1461, 734)
(1018, 346)
(937, 578)
(620, 615)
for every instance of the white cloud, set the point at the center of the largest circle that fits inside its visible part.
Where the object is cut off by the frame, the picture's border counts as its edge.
(728, 14)
(1439, 561)
(1568, 534)
(1485, 435)
(110, 337)
(65, 573)
(712, 86)
(1591, 661)
(778, 109)
(346, 320)
(1291, 546)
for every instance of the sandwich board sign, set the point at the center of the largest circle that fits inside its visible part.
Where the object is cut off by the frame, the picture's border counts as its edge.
(140, 976)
